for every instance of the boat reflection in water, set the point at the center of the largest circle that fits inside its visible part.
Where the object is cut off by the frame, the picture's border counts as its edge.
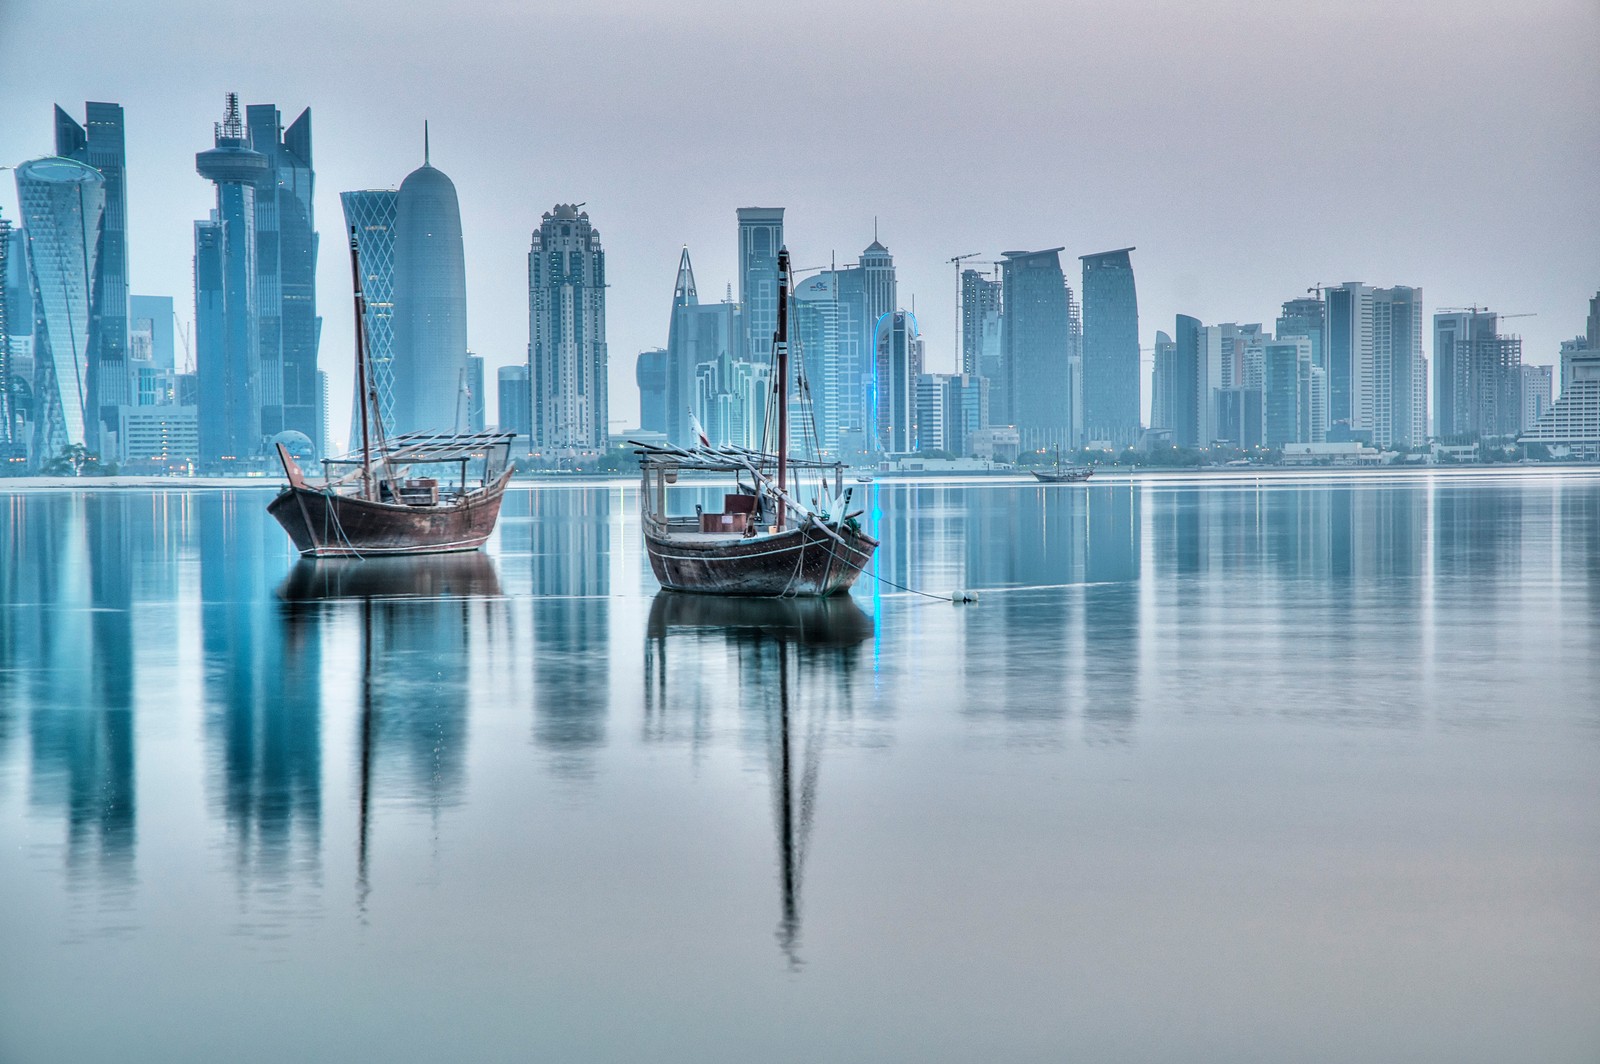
(794, 663)
(424, 576)
(415, 618)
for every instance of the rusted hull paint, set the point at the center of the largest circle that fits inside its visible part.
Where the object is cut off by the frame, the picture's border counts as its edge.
(327, 525)
(803, 561)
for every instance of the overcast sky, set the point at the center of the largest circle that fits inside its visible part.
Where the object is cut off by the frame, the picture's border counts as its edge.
(1248, 148)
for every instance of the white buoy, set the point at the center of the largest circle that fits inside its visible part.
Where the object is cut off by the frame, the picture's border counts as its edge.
(958, 597)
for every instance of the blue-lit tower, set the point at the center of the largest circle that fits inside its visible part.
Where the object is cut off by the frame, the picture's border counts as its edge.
(227, 351)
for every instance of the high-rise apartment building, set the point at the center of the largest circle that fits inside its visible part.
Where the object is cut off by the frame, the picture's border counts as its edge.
(1538, 394)
(952, 408)
(1399, 368)
(567, 361)
(898, 348)
(1036, 349)
(1377, 375)
(101, 143)
(1110, 372)
(1288, 402)
(370, 216)
(1347, 347)
(980, 298)
(760, 238)
(62, 202)
(1477, 376)
(429, 361)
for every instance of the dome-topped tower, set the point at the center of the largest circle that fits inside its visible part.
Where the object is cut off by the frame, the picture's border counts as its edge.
(430, 296)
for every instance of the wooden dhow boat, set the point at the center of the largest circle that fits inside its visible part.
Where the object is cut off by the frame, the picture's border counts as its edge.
(764, 541)
(375, 502)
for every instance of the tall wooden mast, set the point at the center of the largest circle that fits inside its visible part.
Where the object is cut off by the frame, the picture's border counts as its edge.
(361, 368)
(781, 343)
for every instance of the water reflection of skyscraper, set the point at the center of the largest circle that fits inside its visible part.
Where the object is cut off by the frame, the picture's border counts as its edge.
(262, 693)
(558, 540)
(792, 664)
(80, 719)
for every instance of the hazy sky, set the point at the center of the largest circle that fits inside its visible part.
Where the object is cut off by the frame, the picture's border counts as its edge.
(1248, 148)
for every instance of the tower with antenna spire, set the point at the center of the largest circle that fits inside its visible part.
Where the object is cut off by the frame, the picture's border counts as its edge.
(430, 300)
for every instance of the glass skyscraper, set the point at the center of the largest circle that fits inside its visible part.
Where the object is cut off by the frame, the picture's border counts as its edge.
(286, 274)
(371, 213)
(1036, 348)
(429, 362)
(1110, 348)
(63, 204)
(100, 144)
(567, 361)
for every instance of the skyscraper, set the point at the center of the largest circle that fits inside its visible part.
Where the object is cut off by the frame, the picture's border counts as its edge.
(1537, 394)
(1163, 378)
(1306, 317)
(1399, 369)
(1288, 402)
(835, 321)
(760, 237)
(100, 144)
(62, 203)
(898, 349)
(980, 297)
(430, 302)
(371, 214)
(650, 372)
(10, 446)
(1110, 348)
(1347, 347)
(515, 405)
(1478, 376)
(685, 353)
(227, 348)
(1190, 402)
(1036, 347)
(286, 274)
(473, 396)
(567, 333)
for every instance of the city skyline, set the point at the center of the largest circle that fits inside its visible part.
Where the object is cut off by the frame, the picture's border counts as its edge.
(1211, 236)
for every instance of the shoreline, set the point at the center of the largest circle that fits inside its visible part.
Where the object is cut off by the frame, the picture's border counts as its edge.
(17, 485)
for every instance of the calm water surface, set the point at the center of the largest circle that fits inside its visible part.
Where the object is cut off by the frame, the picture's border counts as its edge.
(1289, 770)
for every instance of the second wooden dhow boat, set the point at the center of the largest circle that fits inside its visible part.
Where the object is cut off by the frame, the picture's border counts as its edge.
(764, 540)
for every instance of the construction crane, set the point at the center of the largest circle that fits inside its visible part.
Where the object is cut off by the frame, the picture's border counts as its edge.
(1485, 310)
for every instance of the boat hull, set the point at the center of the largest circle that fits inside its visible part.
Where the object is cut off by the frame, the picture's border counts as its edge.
(1076, 476)
(801, 561)
(324, 524)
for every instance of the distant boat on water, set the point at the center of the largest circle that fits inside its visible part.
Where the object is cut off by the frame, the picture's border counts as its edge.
(377, 506)
(1059, 474)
